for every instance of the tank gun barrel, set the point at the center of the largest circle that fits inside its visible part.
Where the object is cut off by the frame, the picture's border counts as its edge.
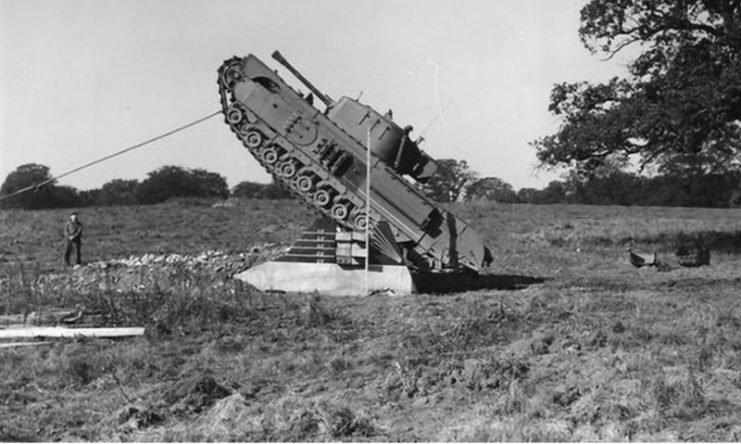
(323, 97)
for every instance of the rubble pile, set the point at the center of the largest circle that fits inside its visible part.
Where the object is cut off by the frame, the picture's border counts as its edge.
(147, 271)
(216, 261)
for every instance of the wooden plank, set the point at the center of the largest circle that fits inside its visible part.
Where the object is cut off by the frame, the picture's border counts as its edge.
(63, 332)
(22, 344)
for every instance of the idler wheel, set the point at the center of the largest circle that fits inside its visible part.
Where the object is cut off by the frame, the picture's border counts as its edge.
(233, 74)
(339, 211)
(234, 116)
(287, 170)
(322, 198)
(304, 184)
(253, 139)
(269, 156)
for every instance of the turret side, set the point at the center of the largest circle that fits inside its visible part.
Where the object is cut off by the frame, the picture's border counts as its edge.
(390, 143)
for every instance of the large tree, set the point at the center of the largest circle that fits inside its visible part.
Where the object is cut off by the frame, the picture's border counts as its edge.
(450, 180)
(32, 187)
(23, 178)
(680, 103)
(491, 188)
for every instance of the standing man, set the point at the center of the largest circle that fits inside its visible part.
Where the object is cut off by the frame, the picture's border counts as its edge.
(73, 233)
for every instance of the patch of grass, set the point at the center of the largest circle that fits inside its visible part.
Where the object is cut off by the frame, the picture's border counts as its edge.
(580, 346)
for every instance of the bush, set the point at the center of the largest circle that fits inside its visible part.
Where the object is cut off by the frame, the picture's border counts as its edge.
(254, 190)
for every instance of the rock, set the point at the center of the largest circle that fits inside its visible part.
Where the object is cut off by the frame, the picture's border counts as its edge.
(540, 345)
(196, 394)
(230, 416)
(137, 417)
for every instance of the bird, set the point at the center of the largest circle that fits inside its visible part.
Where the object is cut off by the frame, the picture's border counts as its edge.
(642, 260)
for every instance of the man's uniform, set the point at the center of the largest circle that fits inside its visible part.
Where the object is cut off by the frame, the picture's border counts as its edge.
(73, 233)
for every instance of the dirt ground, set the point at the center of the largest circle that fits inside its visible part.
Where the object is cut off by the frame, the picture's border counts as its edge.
(561, 339)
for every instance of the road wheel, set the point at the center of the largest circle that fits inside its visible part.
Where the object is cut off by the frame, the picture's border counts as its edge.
(359, 221)
(288, 169)
(253, 139)
(269, 155)
(234, 115)
(340, 211)
(304, 183)
(322, 198)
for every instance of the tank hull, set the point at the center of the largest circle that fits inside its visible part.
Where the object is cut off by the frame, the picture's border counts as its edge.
(321, 158)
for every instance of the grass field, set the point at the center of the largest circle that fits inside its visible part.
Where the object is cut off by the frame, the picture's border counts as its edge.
(565, 341)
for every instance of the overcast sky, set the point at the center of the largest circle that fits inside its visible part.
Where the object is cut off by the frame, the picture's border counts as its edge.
(80, 79)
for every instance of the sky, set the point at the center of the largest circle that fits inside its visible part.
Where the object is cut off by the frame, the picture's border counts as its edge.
(81, 79)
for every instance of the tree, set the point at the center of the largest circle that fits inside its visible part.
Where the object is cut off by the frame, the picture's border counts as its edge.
(24, 176)
(248, 190)
(65, 197)
(708, 190)
(88, 198)
(554, 193)
(118, 192)
(491, 188)
(207, 184)
(528, 195)
(612, 188)
(46, 196)
(173, 181)
(450, 180)
(735, 199)
(680, 103)
(255, 190)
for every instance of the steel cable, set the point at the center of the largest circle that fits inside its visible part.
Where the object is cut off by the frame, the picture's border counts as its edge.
(110, 156)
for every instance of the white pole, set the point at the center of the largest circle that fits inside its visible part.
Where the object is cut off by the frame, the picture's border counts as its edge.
(367, 208)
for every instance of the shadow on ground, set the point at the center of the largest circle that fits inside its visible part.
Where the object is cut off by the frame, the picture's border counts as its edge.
(714, 240)
(456, 283)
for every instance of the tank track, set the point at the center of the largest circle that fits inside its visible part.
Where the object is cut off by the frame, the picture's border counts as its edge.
(301, 175)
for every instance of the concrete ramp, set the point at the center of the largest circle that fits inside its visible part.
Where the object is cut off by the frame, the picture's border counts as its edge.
(328, 278)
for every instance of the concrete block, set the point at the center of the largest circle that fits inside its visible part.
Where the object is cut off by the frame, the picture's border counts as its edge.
(328, 279)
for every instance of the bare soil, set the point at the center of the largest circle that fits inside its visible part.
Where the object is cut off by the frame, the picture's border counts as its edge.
(561, 339)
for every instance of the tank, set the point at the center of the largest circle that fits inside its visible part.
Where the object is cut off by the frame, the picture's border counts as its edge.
(320, 156)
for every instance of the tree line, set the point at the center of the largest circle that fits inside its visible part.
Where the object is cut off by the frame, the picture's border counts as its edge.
(455, 181)
(162, 184)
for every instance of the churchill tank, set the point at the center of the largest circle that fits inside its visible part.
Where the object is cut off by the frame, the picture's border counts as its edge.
(320, 154)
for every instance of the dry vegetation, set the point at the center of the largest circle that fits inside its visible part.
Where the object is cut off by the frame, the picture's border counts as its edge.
(564, 341)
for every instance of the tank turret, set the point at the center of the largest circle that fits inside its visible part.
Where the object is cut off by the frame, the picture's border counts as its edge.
(390, 142)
